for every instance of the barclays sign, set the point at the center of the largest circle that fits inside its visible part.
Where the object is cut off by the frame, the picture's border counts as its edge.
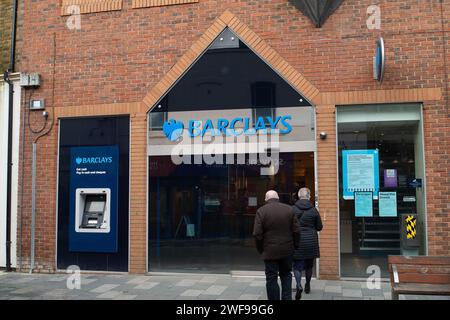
(223, 127)
(93, 160)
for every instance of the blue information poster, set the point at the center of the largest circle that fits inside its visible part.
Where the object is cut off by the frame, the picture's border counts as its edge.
(363, 204)
(388, 204)
(360, 172)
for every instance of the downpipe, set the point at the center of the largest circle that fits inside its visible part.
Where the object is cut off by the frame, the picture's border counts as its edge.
(33, 207)
(10, 133)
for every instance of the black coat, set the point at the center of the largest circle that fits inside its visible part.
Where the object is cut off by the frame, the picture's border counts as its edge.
(276, 230)
(310, 223)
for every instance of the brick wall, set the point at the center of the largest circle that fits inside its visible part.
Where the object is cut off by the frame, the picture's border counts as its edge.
(118, 57)
(5, 33)
(6, 7)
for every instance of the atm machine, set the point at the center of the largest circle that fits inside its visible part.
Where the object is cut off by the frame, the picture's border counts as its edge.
(93, 212)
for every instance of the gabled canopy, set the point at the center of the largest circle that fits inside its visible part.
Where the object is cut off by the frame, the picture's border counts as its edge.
(317, 10)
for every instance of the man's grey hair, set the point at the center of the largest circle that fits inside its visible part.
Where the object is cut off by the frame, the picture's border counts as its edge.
(271, 194)
(304, 194)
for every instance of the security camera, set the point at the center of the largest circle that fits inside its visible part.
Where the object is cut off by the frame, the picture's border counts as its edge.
(323, 135)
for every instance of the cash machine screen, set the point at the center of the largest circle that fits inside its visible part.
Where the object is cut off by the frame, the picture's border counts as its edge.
(95, 203)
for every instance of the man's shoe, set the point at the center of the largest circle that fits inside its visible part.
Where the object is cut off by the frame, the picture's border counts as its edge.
(307, 288)
(298, 294)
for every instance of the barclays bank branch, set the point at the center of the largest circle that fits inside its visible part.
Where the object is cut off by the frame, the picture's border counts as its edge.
(229, 129)
(164, 169)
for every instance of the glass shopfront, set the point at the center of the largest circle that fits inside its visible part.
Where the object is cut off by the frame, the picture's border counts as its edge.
(227, 132)
(201, 216)
(382, 186)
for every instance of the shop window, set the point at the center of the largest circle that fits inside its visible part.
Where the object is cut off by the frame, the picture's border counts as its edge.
(381, 183)
(71, 7)
(158, 3)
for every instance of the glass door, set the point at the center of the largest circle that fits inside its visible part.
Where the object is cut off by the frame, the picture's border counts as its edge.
(380, 150)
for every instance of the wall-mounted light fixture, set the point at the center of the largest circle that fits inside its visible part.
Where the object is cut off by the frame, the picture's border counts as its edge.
(37, 104)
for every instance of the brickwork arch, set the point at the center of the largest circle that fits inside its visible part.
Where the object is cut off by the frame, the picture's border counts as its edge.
(252, 40)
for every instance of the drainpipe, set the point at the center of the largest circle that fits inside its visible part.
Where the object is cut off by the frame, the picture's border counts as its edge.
(33, 207)
(10, 133)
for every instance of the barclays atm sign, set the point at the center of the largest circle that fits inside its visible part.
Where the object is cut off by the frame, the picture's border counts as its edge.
(223, 127)
(93, 160)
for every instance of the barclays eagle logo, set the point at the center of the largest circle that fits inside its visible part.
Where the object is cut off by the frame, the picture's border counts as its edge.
(78, 160)
(173, 129)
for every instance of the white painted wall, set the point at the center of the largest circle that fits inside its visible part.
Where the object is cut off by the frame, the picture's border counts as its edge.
(4, 90)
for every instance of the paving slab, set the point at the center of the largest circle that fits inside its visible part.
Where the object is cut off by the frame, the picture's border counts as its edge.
(333, 289)
(125, 297)
(373, 293)
(249, 297)
(215, 290)
(146, 285)
(186, 283)
(104, 288)
(351, 285)
(352, 293)
(258, 284)
(109, 294)
(191, 293)
(138, 280)
(208, 279)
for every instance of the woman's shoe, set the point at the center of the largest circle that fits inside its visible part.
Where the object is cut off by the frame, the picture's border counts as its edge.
(307, 288)
(298, 294)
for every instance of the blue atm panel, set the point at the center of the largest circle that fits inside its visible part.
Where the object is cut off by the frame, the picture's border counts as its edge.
(93, 204)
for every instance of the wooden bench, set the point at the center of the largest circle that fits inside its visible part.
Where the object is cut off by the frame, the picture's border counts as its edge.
(420, 275)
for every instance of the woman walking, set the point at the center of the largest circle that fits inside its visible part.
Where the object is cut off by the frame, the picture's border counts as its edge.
(310, 223)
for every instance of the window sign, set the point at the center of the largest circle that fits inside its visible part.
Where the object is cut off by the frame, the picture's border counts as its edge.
(409, 199)
(190, 230)
(390, 178)
(388, 204)
(363, 204)
(173, 129)
(252, 201)
(360, 172)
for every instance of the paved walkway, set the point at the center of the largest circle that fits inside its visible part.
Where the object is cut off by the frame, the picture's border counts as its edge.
(180, 287)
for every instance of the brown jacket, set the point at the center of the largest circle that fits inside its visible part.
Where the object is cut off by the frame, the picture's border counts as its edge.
(276, 230)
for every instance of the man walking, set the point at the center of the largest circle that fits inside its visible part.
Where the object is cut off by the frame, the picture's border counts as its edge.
(277, 233)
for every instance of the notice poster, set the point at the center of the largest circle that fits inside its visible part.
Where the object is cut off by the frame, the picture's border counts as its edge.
(387, 204)
(252, 201)
(363, 204)
(360, 172)
(190, 230)
(390, 178)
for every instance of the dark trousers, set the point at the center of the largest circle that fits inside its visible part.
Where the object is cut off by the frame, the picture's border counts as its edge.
(299, 266)
(283, 268)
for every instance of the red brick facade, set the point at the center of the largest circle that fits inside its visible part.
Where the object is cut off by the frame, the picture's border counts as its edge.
(122, 60)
